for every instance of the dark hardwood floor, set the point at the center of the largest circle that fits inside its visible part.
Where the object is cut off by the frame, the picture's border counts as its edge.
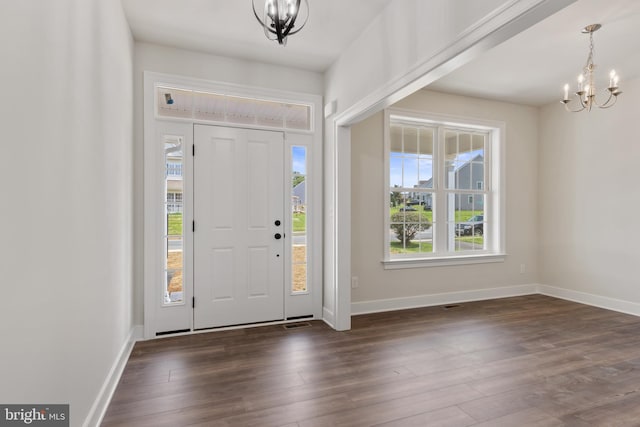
(524, 361)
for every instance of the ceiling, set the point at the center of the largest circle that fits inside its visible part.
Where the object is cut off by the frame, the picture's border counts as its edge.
(229, 28)
(530, 68)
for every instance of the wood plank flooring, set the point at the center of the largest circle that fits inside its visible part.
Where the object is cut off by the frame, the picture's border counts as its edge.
(524, 361)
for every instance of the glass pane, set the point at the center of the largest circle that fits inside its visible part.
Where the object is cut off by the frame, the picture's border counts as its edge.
(396, 140)
(269, 113)
(209, 106)
(464, 163)
(426, 142)
(410, 172)
(395, 171)
(299, 219)
(240, 110)
(173, 207)
(466, 223)
(215, 107)
(297, 116)
(299, 270)
(478, 144)
(411, 157)
(299, 158)
(425, 173)
(410, 139)
(411, 223)
(174, 102)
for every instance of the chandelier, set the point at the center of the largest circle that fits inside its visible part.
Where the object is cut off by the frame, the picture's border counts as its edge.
(586, 93)
(279, 17)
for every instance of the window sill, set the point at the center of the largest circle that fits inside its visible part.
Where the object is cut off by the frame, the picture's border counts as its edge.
(442, 261)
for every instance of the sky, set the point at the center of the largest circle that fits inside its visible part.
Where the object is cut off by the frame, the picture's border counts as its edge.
(299, 159)
(418, 168)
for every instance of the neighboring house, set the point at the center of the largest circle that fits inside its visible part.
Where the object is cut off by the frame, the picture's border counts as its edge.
(425, 199)
(174, 183)
(299, 197)
(469, 176)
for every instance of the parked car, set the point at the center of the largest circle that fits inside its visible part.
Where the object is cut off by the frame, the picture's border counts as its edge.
(473, 225)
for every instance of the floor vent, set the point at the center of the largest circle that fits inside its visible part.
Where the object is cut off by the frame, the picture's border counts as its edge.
(451, 306)
(179, 331)
(297, 325)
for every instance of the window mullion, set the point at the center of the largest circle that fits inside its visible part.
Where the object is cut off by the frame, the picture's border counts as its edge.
(440, 213)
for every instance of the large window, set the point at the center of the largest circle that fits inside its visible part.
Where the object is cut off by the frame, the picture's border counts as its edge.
(442, 190)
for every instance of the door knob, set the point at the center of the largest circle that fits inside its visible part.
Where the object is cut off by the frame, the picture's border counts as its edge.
(278, 236)
(277, 223)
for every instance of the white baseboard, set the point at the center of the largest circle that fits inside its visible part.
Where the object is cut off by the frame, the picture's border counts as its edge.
(392, 304)
(591, 299)
(100, 405)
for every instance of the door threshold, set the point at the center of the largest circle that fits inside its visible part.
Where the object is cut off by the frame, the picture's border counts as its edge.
(233, 327)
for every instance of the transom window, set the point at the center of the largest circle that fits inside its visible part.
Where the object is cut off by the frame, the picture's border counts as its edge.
(441, 201)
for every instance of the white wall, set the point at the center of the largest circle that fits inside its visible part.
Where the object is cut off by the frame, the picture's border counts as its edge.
(367, 192)
(589, 199)
(168, 60)
(67, 218)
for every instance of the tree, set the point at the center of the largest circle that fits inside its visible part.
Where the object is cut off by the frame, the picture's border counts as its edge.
(297, 178)
(396, 197)
(407, 224)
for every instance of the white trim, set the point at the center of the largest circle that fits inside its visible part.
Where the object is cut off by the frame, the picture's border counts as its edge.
(329, 317)
(100, 405)
(500, 25)
(494, 188)
(393, 304)
(342, 260)
(399, 263)
(608, 303)
(182, 316)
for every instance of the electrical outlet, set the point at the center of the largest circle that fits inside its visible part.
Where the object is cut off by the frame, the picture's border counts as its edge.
(522, 268)
(355, 282)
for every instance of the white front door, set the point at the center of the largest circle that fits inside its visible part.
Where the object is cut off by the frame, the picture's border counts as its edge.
(239, 226)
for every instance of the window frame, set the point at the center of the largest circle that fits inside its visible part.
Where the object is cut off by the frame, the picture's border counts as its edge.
(493, 187)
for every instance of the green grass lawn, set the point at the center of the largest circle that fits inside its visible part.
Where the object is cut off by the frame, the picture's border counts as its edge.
(299, 221)
(478, 240)
(461, 216)
(175, 224)
(412, 247)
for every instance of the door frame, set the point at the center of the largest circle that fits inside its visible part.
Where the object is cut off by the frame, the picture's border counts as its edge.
(158, 318)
